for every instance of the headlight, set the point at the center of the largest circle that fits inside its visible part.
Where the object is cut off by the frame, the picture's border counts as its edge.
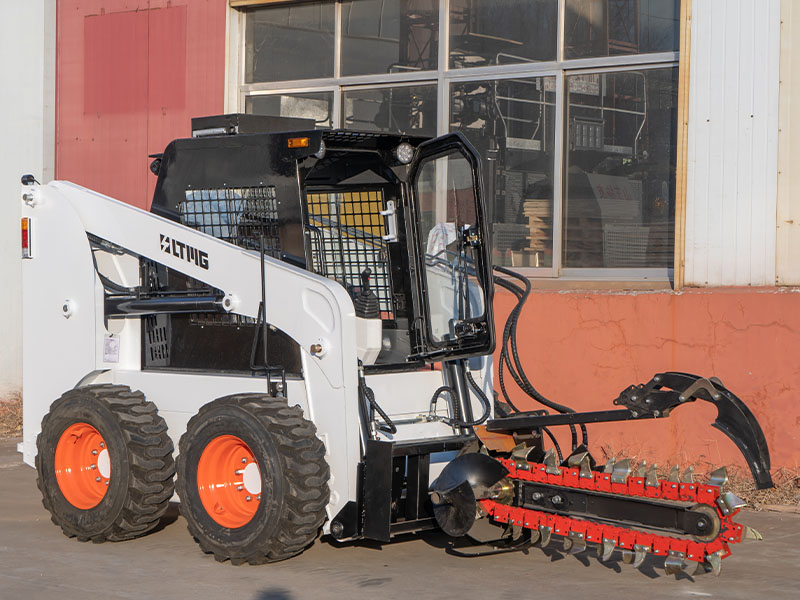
(404, 153)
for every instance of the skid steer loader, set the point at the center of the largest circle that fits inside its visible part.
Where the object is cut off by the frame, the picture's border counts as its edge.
(304, 319)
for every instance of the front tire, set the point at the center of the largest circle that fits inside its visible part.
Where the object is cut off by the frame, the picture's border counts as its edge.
(104, 464)
(252, 479)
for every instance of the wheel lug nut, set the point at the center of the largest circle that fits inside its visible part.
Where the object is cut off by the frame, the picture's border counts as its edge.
(239, 471)
(239, 487)
(97, 479)
(93, 466)
(106, 481)
(102, 444)
(94, 452)
(258, 497)
(244, 461)
(248, 498)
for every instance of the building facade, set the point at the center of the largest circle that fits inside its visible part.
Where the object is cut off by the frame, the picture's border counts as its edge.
(637, 160)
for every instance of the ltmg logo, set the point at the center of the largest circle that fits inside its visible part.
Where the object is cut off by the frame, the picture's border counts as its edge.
(184, 251)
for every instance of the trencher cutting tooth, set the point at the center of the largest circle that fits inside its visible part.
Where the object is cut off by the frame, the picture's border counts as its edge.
(609, 468)
(573, 460)
(688, 475)
(520, 452)
(729, 502)
(675, 563)
(621, 471)
(641, 470)
(544, 535)
(586, 468)
(578, 543)
(718, 477)
(652, 476)
(714, 561)
(639, 554)
(607, 549)
(551, 463)
(628, 556)
(674, 474)
(748, 533)
(534, 536)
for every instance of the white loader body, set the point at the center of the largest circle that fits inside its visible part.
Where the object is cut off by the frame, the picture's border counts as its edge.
(68, 342)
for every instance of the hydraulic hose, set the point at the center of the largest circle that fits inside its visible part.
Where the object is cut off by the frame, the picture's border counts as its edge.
(389, 426)
(515, 367)
(457, 422)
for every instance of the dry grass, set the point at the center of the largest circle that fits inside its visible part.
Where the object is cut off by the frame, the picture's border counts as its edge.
(786, 492)
(11, 416)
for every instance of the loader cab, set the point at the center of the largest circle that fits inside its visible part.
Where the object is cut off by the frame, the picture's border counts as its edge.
(398, 221)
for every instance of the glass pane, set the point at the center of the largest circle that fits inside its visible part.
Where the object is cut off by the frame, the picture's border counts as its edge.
(511, 122)
(289, 42)
(389, 36)
(447, 208)
(499, 32)
(620, 181)
(310, 105)
(406, 109)
(609, 27)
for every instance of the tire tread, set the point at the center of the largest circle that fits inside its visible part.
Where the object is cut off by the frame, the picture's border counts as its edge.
(152, 468)
(306, 475)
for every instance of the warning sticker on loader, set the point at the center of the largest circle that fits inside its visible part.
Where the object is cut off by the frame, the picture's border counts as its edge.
(111, 349)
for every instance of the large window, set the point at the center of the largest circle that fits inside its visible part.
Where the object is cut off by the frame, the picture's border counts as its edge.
(620, 170)
(572, 105)
(608, 27)
(290, 42)
(389, 36)
(497, 32)
(512, 124)
(407, 109)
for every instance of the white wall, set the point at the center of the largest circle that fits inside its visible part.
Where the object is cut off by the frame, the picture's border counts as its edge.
(27, 145)
(788, 259)
(732, 165)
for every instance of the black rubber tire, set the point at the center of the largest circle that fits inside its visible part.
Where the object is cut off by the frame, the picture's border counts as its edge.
(142, 473)
(294, 478)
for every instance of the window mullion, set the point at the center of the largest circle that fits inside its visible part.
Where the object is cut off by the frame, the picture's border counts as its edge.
(558, 173)
(337, 41)
(442, 87)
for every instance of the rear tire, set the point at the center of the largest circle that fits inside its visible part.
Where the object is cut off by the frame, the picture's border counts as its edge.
(104, 463)
(258, 447)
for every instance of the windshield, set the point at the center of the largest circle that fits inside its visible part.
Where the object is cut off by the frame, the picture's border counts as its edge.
(450, 240)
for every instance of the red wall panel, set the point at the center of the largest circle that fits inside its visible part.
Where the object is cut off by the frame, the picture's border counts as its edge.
(130, 76)
(114, 63)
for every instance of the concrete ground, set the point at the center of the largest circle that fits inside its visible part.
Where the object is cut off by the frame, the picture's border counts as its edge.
(37, 561)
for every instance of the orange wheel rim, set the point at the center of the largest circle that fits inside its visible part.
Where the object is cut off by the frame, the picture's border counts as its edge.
(229, 481)
(82, 465)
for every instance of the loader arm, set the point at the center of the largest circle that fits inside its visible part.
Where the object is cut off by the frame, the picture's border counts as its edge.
(321, 315)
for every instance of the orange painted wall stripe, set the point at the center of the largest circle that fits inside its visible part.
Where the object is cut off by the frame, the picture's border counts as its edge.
(583, 348)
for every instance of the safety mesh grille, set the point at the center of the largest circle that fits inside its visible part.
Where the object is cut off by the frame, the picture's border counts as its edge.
(346, 230)
(237, 215)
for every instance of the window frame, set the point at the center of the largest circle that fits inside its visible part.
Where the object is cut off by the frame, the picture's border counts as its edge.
(444, 76)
